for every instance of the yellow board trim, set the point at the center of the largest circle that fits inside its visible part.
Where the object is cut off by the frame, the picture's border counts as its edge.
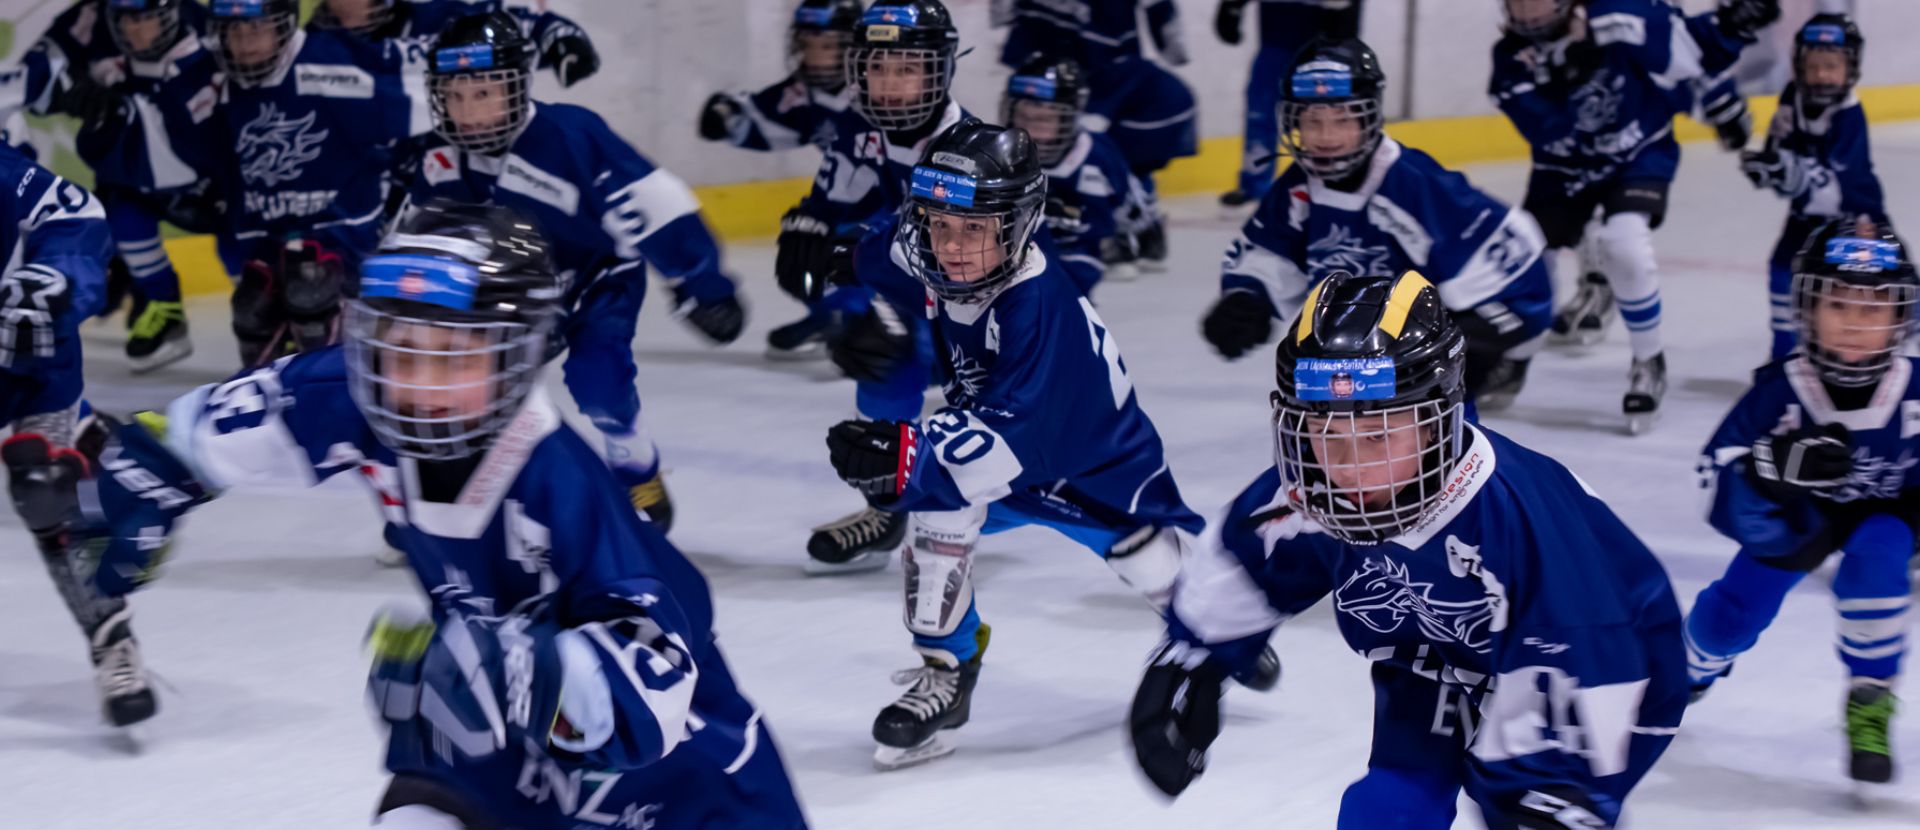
(1406, 289)
(742, 211)
(1307, 313)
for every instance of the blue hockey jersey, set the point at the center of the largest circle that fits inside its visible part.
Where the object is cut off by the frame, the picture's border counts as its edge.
(175, 135)
(537, 531)
(1409, 213)
(1829, 149)
(55, 225)
(605, 209)
(1098, 198)
(1091, 32)
(314, 141)
(1522, 593)
(786, 115)
(863, 176)
(1617, 119)
(1039, 404)
(1885, 434)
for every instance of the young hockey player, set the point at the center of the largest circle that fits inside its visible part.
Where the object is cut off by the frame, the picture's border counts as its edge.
(1094, 203)
(1525, 646)
(1285, 27)
(1355, 200)
(1593, 86)
(1817, 459)
(607, 210)
(568, 640)
(55, 242)
(1041, 425)
(1816, 154)
(798, 109)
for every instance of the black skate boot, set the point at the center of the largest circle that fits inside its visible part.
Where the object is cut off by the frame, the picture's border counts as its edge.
(938, 699)
(650, 497)
(1501, 386)
(802, 339)
(1584, 321)
(1646, 385)
(1120, 253)
(158, 337)
(863, 541)
(1153, 246)
(125, 696)
(1870, 705)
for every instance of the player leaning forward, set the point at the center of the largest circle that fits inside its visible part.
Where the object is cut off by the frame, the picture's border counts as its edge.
(568, 640)
(1524, 644)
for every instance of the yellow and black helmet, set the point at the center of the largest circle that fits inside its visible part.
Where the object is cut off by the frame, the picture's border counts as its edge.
(1370, 343)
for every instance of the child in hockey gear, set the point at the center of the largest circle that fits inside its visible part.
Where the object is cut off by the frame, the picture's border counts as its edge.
(1593, 86)
(608, 212)
(1816, 154)
(794, 111)
(1525, 645)
(566, 635)
(55, 237)
(899, 73)
(1041, 427)
(1285, 27)
(562, 45)
(1355, 200)
(1093, 200)
(1815, 460)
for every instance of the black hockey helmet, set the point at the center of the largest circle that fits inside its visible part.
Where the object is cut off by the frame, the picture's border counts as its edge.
(1331, 82)
(823, 25)
(1367, 416)
(479, 73)
(1827, 33)
(145, 30)
(448, 326)
(975, 200)
(1854, 288)
(252, 37)
(1538, 20)
(368, 16)
(1045, 97)
(901, 65)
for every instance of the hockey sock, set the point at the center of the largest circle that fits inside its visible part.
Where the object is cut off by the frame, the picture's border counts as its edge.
(1729, 615)
(1872, 591)
(1626, 245)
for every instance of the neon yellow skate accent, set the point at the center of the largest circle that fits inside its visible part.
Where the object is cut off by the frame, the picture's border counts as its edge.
(155, 317)
(1868, 725)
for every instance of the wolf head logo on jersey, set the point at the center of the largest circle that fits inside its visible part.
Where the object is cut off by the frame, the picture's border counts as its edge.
(275, 149)
(1381, 595)
(1342, 250)
(964, 387)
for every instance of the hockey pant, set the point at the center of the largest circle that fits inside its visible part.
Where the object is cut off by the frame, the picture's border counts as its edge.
(599, 372)
(1630, 210)
(1872, 591)
(938, 561)
(1420, 759)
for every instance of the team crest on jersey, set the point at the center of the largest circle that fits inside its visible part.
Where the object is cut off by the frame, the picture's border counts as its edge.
(1382, 596)
(963, 388)
(275, 149)
(1597, 102)
(1874, 477)
(1342, 250)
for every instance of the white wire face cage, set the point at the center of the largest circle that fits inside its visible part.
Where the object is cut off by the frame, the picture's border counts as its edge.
(869, 67)
(436, 389)
(166, 35)
(965, 257)
(1366, 477)
(227, 29)
(1549, 22)
(825, 78)
(1052, 125)
(1867, 323)
(378, 13)
(480, 112)
(1364, 111)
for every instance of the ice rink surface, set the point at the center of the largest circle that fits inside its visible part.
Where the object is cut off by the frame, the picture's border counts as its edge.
(256, 628)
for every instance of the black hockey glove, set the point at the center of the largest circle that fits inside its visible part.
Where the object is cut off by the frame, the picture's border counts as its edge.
(1770, 168)
(1731, 120)
(1175, 716)
(1743, 19)
(1557, 808)
(1227, 20)
(1066, 222)
(870, 347)
(717, 117)
(720, 320)
(874, 457)
(1237, 323)
(809, 257)
(32, 299)
(569, 53)
(1809, 459)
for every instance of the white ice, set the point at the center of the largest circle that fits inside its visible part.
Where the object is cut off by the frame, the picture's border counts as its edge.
(256, 627)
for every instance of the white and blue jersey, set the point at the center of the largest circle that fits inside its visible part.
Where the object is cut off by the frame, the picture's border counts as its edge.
(1522, 639)
(314, 141)
(1100, 199)
(529, 539)
(175, 136)
(1829, 148)
(863, 175)
(788, 115)
(1409, 213)
(50, 224)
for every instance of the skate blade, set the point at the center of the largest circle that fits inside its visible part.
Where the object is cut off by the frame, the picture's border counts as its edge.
(168, 354)
(872, 560)
(1123, 272)
(889, 758)
(130, 739)
(1641, 423)
(809, 351)
(1153, 266)
(390, 558)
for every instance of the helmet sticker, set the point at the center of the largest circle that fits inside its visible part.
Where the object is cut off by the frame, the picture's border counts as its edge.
(460, 58)
(421, 279)
(1348, 379)
(1824, 34)
(1032, 86)
(943, 187)
(1312, 84)
(1863, 255)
